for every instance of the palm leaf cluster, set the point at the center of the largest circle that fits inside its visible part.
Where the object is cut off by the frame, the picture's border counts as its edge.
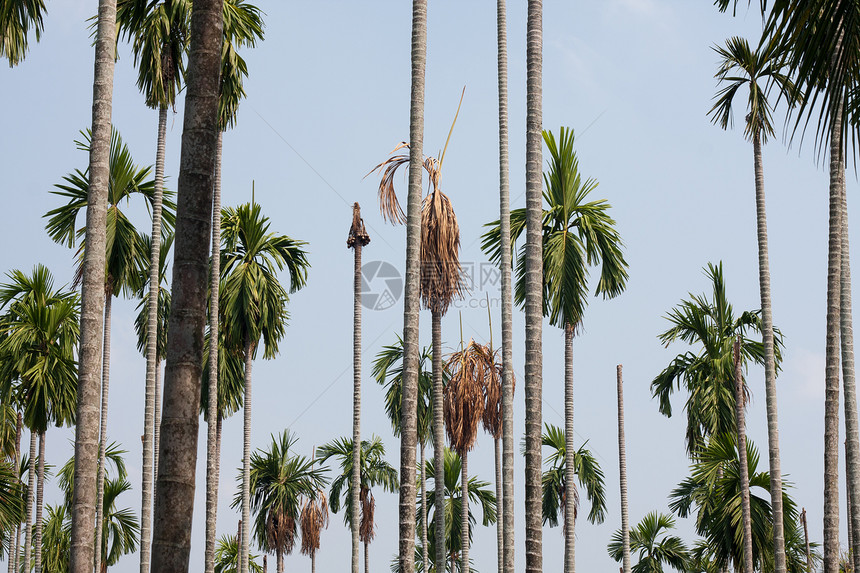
(650, 538)
(464, 394)
(17, 19)
(314, 518)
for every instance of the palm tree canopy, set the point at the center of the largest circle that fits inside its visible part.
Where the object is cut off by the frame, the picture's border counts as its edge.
(760, 71)
(226, 554)
(56, 539)
(253, 302)
(141, 321)
(708, 375)
(17, 18)
(38, 337)
(120, 528)
(243, 26)
(653, 552)
(231, 378)
(588, 472)
(11, 497)
(577, 234)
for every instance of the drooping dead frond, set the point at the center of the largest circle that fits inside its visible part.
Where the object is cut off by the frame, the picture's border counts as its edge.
(314, 518)
(280, 532)
(464, 397)
(389, 206)
(367, 528)
(492, 366)
(357, 233)
(441, 273)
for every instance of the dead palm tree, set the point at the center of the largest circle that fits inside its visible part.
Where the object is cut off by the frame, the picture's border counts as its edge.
(313, 519)
(356, 240)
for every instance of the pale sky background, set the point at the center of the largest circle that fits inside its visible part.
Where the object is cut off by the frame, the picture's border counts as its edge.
(328, 98)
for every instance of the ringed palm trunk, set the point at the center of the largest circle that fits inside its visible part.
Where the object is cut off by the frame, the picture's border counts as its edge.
(366, 558)
(500, 534)
(100, 483)
(40, 489)
(409, 437)
(507, 499)
(769, 363)
(425, 551)
(279, 561)
(742, 459)
(92, 297)
(622, 471)
(438, 438)
(246, 459)
(156, 431)
(569, 461)
(464, 513)
(831, 378)
(534, 284)
(356, 406)
(31, 489)
(212, 476)
(14, 551)
(151, 350)
(174, 491)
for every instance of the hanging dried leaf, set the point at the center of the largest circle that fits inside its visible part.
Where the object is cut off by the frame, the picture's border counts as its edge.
(280, 531)
(441, 273)
(314, 518)
(367, 529)
(464, 397)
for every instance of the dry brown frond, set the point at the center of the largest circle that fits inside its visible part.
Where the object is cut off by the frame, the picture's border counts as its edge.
(441, 274)
(280, 532)
(357, 233)
(367, 528)
(492, 367)
(389, 206)
(313, 520)
(464, 397)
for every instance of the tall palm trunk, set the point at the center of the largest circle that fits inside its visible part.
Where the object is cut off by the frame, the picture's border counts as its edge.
(464, 513)
(506, 515)
(212, 476)
(425, 551)
(569, 460)
(356, 403)
(622, 471)
(852, 439)
(100, 483)
(156, 430)
(40, 489)
(366, 558)
(174, 491)
(769, 362)
(831, 377)
(438, 436)
(14, 551)
(809, 566)
(279, 561)
(534, 287)
(31, 489)
(500, 533)
(409, 436)
(92, 297)
(152, 349)
(742, 459)
(246, 459)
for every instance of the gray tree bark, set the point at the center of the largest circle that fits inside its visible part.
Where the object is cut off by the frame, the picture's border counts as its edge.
(14, 551)
(622, 470)
(742, 458)
(246, 459)
(425, 551)
(40, 490)
(174, 493)
(534, 286)
(464, 513)
(569, 461)
(438, 437)
(151, 349)
(156, 431)
(92, 297)
(100, 478)
(31, 490)
(500, 532)
(356, 404)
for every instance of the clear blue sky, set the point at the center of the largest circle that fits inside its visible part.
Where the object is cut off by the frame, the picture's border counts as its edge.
(328, 98)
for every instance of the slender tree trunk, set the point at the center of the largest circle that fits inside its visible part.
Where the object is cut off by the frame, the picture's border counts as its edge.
(174, 492)
(40, 489)
(769, 362)
(852, 438)
(15, 550)
(408, 434)
(313, 563)
(366, 559)
(92, 297)
(438, 437)
(500, 533)
(31, 490)
(151, 349)
(279, 558)
(425, 550)
(246, 458)
(100, 479)
(239, 549)
(212, 476)
(742, 459)
(356, 404)
(534, 286)
(622, 470)
(507, 498)
(464, 513)
(831, 378)
(809, 567)
(156, 432)
(569, 456)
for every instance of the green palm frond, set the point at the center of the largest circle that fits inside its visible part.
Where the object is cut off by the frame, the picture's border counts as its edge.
(17, 19)
(226, 556)
(653, 549)
(66, 475)
(56, 539)
(231, 378)
(120, 529)
(243, 26)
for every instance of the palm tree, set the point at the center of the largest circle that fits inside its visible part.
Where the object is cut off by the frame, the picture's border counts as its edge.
(92, 294)
(357, 239)
(576, 234)
(125, 254)
(279, 479)
(39, 333)
(555, 480)
(243, 26)
(480, 494)
(388, 371)
(17, 17)
(373, 471)
(708, 375)
(227, 557)
(740, 67)
(653, 549)
(253, 302)
(622, 480)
